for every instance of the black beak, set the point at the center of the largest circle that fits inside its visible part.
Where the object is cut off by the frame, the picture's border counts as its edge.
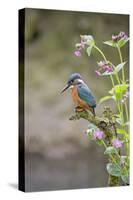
(65, 88)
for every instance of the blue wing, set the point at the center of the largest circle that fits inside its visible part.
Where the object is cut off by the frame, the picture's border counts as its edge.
(85, 94)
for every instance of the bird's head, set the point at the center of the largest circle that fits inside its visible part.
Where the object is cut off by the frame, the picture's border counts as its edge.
(74, 79)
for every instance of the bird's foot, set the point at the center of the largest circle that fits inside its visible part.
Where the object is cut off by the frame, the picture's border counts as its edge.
(79, 109)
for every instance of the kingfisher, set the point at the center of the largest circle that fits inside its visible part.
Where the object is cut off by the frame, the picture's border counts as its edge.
(82, 96)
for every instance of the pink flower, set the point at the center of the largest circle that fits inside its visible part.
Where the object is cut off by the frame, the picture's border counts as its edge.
(126, 94)
(108, 69)
(115, 37)
(121, 35)
(98, 134)
(117, 143)
(77, 53)
(83, 44)
(98, 73)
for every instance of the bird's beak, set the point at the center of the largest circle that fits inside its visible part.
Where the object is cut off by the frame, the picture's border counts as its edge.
(65, 88)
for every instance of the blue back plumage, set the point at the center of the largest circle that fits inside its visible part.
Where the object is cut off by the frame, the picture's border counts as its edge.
(85, 94)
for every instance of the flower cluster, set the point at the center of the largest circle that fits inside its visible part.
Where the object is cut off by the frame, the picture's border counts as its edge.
(117, 143)
(98, 134)
(85, 40)
(104, 66)
(121, 35)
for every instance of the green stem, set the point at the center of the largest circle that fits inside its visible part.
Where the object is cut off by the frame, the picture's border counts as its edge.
(99, 50)
(112, 80)
(126, 109)
(120, 107)
(120, 55)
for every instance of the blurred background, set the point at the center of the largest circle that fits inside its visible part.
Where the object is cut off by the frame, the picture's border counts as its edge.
(58, 153)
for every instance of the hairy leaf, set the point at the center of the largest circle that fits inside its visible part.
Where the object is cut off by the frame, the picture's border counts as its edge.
(125, 178)
(110, 150)
(113, 169)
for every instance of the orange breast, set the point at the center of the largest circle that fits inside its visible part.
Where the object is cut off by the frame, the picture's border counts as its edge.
(77, 101)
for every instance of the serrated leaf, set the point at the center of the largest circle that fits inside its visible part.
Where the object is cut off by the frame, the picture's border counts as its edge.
(110, 43)
(110, 150)
(122, 42)
(105, 99)
(113, 169)
(88, 50)
(119, 67)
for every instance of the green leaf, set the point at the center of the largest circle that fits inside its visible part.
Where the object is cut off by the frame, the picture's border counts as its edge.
(120, 90)
(99, 142)
(127, 123)
(111, 91)
(125, 178)
(119, 120)
(105, 99)
(107, 73)
(121, 131)
(110, 150)
(125, 174)
(122, 42)
(123, 159)
(119, 67)
(110, 43)
(88, 50)
(113, 169)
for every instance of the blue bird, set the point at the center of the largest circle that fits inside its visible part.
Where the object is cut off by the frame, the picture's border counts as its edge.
(82, 96)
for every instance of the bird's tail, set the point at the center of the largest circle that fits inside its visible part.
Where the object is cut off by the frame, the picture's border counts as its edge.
(94, 111)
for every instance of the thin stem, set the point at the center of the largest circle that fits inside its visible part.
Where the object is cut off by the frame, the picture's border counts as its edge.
(123, 76)
(126, 109)
(112, 80)
(100, 52)
(120, 55)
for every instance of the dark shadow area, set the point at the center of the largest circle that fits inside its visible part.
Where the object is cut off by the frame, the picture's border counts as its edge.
(13, 185)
